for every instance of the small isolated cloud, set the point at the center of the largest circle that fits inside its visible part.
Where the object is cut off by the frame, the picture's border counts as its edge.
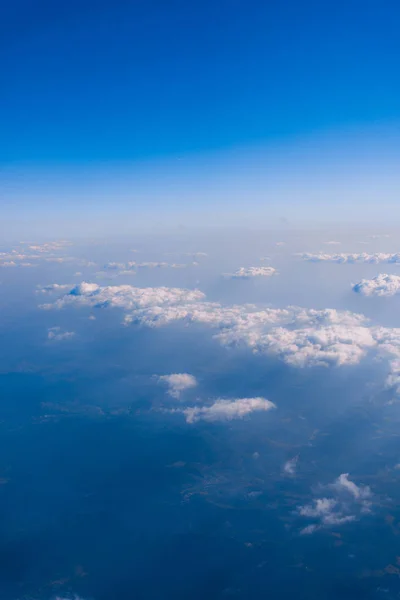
(280, 244)
(55, 333)
(349, 503)
(332, 243)
(361, 257)
(178, 382)
(289, 468)
(227, 410)
(248, 272)
(381, 285)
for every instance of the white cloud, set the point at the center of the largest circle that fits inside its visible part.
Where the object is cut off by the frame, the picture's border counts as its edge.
(343, 484)
(361, 257)
(289, 468)
(381, 285)
(248, 272)
(350, 503)
(125, 297)
(178, 382)
(332, 243)
(300, 337)
(55, 333)
(227, 410)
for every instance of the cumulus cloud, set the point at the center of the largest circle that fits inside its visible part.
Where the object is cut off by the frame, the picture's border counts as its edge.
(248, 272)
(349, 503)
(125, 297)
(381, 285)
(178, 382)
(300, 337)
(226, 410)
(55, 333)
(361, 257)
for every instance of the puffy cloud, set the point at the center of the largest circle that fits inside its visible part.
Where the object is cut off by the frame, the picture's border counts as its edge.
(55, 333)
(248, 272)
(361, 257)
(350, 502)
(125, 297)
(381, 285)
(178, 382)
(227, 410)
(300, 337)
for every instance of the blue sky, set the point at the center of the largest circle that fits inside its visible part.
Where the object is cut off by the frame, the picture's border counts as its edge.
(104, 103)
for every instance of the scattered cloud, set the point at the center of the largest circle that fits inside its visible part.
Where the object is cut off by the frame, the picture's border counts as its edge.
(332, 243)
(381, 285)
(49, 246)
(226, 410)
(349, 503)
(361, 257)
(178, 382)
(248, 272)
(55, 333)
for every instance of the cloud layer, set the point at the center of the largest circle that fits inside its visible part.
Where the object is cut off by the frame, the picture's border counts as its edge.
(299, 337)
(361, 257)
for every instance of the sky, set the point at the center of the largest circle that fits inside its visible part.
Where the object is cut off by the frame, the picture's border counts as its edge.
(116, 111)
(199, 300)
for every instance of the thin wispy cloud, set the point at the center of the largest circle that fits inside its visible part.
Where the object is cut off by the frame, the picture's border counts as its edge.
(347, 502)
(249, 272)
(227, 410)
(361, 257)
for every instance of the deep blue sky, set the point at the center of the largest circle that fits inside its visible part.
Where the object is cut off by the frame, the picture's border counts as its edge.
(88, 83)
